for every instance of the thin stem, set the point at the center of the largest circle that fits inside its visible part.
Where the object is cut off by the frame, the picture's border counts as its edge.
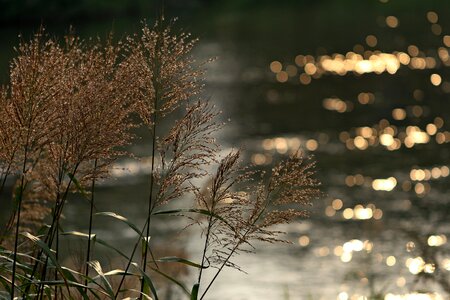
(16, 241)
(130, 260)
(22, 189)
(5, 176)
(90, 225)
(50, 234)
(151, 205)
(208, 232)
(150, 198)
(241, 240)
(57, 257)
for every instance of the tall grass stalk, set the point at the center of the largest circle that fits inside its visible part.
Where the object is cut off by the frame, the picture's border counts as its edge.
(91, 212)
(156, 86)
(67, 111)
(18, 199)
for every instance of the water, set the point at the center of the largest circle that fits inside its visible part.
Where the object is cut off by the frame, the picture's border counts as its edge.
(299, 75)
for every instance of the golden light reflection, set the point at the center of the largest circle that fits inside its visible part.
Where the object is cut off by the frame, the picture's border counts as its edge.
(435, 79)
(291, 70)
(410, 246)
(312, 145)
(347, 213)
(322, 251)
(391, 260)
(446, 40)
(413, 50)
(366, 98)
(415, 265)
(436, 240)
(401, 281)
(303, 240)
(337, 104)
(310, 69)
(276, 66)
(436, 29)
(359, 61)
(362, 213)
(392, 21)
(342, 296)
(446, 264)
(387, 184)
(260, 159)
(431, 129)
(337, 204)
(305, 79)
(338, 250)
(428, 174)
(353, 245)
(399, 114)
(371, 40)
(330, 211)
(359, 212)
(432, 17)
(346, 257)
(282, 76)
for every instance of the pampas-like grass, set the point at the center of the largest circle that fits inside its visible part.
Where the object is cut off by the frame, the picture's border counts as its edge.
(65, 117)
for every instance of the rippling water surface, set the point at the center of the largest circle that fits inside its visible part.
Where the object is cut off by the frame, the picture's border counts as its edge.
(364, 87)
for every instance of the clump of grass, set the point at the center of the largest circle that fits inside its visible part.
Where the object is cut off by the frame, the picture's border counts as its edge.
(65, 117)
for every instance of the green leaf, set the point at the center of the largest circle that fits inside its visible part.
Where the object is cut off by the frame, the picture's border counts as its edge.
(66, 273)
(80, 234)
(18, 264)
(6, 283)
(136, 291)
(194, 293)
(78, 185)
(120, 218)
(147, 280)
(173, 280)
(180, 260)
(107, 285)
(97, 240)
(145, 245)
(17, 196)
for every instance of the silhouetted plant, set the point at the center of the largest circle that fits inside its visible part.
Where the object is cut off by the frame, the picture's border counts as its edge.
(65, 118)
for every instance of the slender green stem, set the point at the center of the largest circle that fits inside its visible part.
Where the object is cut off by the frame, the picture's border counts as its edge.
(150, 199)
(51, 232)
(57, 257)
(90, 225)
(5, 176)
(16, 241)
(130, 260)
(208, 233)
(22, 189)
(151, 205)
(241, 240)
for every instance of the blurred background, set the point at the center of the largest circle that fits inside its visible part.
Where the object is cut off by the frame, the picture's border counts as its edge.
(362, 85)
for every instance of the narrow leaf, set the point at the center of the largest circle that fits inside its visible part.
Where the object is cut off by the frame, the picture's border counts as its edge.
(180, 260)
(194, 293)
(147, 281)
(120, 218)
(173, 280)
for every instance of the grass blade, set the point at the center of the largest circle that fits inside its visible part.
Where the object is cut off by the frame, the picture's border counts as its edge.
(120, 218)
(194, 293)
(180, 260)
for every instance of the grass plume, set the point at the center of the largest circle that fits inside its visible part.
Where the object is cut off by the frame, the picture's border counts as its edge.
(66, 116)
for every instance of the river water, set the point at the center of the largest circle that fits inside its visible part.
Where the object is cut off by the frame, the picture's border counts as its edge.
(364, 88)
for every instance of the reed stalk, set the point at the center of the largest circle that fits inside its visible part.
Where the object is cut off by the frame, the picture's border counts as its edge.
(91, 212)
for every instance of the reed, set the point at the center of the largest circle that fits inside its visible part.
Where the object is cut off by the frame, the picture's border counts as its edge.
(66, 117)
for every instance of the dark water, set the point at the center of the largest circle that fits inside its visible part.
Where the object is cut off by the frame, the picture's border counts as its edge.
(364, 87)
